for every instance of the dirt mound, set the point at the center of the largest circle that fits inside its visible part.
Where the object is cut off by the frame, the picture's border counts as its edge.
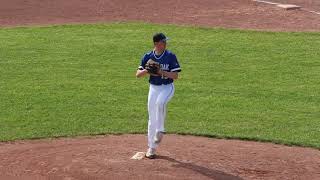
(179, 157)
(243, 14)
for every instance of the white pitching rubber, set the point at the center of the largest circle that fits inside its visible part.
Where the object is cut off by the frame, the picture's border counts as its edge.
(288, 6)
(138, 156)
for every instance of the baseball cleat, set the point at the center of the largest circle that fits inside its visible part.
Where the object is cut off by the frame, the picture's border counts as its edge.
(151, 153)
(158, 137)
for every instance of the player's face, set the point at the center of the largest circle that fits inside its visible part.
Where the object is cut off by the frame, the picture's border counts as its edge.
(161, 45)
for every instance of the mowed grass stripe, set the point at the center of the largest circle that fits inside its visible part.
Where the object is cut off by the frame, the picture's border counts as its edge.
(75, 80)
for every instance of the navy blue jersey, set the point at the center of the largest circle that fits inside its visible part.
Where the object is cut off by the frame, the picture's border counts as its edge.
(168, 62)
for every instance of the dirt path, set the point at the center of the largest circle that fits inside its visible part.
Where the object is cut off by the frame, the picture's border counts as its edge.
(180, 157)
(243, 14)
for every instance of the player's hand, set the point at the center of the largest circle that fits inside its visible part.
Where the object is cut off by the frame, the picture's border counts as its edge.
(141, 73)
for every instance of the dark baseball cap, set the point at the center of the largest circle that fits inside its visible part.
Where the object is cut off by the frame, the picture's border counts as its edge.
(159, 37)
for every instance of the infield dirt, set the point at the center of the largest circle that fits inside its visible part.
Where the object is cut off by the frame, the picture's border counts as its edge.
(240, 14)
(179, 157)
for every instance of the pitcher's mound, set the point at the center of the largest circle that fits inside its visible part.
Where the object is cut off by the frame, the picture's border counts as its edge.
(179, 157)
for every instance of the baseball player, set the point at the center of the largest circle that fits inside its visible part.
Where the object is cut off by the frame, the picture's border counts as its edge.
(162, 66)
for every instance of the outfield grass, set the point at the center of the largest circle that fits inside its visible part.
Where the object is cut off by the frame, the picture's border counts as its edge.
(80, 80)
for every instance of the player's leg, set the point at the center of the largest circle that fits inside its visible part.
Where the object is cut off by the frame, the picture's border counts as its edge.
(164, 97)
(152, 124)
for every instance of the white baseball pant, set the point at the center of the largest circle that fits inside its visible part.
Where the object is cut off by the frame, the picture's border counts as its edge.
(159, 96)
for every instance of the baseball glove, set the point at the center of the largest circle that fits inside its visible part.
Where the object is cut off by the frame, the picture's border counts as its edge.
(152, 66)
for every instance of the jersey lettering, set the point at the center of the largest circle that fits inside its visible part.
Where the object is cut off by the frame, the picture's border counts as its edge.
(168, 62)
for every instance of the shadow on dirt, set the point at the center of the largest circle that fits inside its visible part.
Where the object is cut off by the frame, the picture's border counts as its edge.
(213, 174)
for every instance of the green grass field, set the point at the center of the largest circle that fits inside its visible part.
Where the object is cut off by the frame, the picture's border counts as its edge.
(74, 80)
